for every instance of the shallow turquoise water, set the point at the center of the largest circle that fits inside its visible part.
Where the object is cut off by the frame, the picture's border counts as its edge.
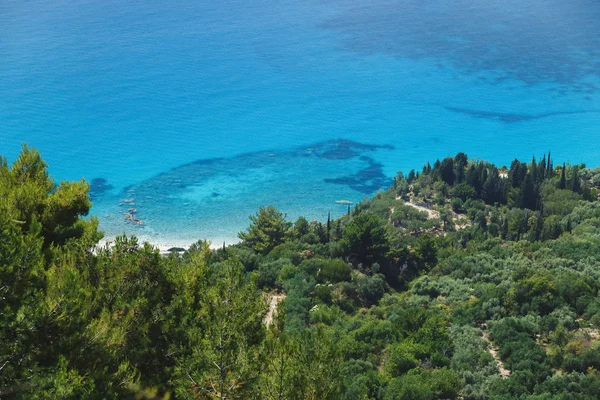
(200, 112)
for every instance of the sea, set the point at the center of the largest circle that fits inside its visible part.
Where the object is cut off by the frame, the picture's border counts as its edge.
(186, 116)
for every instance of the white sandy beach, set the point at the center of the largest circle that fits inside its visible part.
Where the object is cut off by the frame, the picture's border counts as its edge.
(164, 244)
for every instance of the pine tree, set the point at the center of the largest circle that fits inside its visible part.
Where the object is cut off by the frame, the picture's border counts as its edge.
(223, 364)
(301, 227)
(364, 238)
(317, 366)
(267, 230)
(279, 352)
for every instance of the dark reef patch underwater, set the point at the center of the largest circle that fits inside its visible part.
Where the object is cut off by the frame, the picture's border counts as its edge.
(98, 187)
(367, 180)
(180, 179)
(509, 118)
(187, 195)
(533, 41)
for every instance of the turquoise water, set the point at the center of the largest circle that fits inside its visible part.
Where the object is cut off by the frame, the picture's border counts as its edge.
(199, 112)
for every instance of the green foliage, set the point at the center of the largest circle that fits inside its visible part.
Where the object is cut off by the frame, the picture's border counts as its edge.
(446, 171)
(333, 271)
(364, 238)
(405, 356)
(223, 363)
(473, 361)
(370, 288)
(385, 303)
(558, 202)
(31, 196)
(425, 385)
(457, 204)
(267, 229)
(301, 227)
(268, 273)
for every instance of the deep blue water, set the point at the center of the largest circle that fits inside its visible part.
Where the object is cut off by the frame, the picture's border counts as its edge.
(198, 112)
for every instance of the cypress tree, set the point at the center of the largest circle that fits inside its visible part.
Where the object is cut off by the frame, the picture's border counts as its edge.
(562, 184)
(490, 191)
(504, 232)
(460, 175)
(513, 173)
(542, 169)
(471, 175)
(320, 231)
(398, 178)
(460, 162)
(435, 170)
(427, 168)
(447, 171)
(516, 173)
(529, 193)
(461, 159)
(327, 234)
(575, 182)
(533, 171)
(483, 174)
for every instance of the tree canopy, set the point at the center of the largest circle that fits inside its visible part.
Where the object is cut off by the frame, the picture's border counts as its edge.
(483, 283)
(267, 229)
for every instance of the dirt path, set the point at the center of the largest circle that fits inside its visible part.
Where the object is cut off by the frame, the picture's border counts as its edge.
(430, 212)
(494, 352)
(273, 302)
(459, 221)
(594, 334)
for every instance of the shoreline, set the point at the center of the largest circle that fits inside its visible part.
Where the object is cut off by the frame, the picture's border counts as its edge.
(163, 245)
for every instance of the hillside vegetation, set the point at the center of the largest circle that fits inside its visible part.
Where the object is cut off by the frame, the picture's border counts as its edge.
(461, 281)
